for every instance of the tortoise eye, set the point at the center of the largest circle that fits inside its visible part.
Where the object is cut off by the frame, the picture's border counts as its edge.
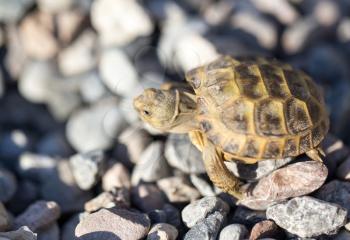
(146, 112)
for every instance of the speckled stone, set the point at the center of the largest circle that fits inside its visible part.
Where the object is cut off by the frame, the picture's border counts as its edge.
(266, 229)
(291, 181)
(109, 224)
(307, 216)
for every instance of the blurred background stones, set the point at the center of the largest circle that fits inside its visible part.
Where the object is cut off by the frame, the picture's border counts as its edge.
(76, 162)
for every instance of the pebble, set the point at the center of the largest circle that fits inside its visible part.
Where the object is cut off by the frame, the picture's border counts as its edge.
(23, 233)
(296, 36)
(253, 172)
(234, 232)
(68, 229)
(53, 7)
(337, 192)
(136, 140)
(208, 228)
(115, 198)
(121, 80)
(12, 144)
(95, 127)
(69, 22)
(162, 231)
(200, 209)
(281, 9)
(263, 30)
(87, 168)
(38, 215)
(326, 13)
(16, 57)
(109, 224)
(157, 216)
(307, 216)
(36, 81)
(37, 36)
(342, 235)
(91, 88)
(343, 171)
(152, 165)
(117, 176)
(26, 193)
(2, 83)
(266, 229)
(8, 185)
(117, 26)
(178, 190)
(183, 155)
(343, 31)
(51, 232)
(205, 188)
(247, 217)
(67, 194)
(5, 221)
(12, 11)
(36, 167)
(54, 144)
(147, 197)
(291, 181)
(80, 56)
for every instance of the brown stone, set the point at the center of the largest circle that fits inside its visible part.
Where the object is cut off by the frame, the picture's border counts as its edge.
(291, 181)
(265, 229)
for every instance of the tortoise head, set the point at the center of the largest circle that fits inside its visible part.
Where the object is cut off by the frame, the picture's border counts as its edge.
(166, 110)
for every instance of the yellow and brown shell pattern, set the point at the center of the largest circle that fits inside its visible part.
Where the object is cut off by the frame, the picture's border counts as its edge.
(258, 108)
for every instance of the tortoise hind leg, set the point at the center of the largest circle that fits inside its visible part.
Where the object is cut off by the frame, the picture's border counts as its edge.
(315, 154)
(216, 169)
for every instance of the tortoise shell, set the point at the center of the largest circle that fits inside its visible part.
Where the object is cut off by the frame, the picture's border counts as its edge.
(258, 108)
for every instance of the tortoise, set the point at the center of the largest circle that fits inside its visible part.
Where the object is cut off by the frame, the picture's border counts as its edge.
(245, 109)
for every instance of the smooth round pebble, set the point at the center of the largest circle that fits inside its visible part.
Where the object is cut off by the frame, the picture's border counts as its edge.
(117, 176)
(234, 232)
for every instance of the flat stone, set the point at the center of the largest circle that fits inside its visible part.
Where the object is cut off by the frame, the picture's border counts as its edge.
(54, 6)
(147, 197)
(115, 198)
(109, 224)
(335, 192)
(307, 216)
(183, 155)
(116, 26)
(96, 127)
(152, 165)
(291, 181)
(234, 232)
(23, 233)
(136, 140)
(247, 217)
(266, 229)
(87, 168)
(38, 215)
(162, 231)
(208, 228)
(8, 185)
(117, 176)
(198, 210)
(5, 220)
(178, 190)
(80, 56)
(253, 172)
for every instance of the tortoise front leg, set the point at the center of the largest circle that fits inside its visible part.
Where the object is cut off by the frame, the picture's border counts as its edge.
(215, 167)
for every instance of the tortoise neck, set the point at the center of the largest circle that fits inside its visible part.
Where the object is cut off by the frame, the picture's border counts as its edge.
(184, 119)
